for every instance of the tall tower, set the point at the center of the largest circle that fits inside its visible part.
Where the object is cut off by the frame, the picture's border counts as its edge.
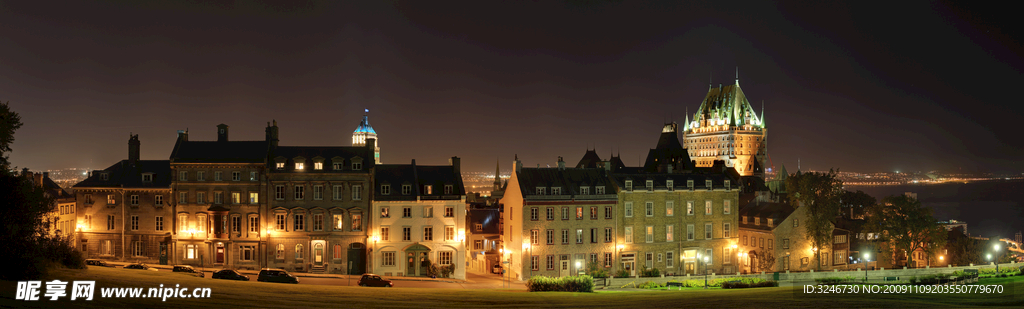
(727, 128)
(365, 131)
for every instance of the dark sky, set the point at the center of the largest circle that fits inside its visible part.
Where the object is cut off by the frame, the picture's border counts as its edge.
(861, 87)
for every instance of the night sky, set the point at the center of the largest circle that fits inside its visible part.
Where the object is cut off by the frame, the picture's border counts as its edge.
(860, 87)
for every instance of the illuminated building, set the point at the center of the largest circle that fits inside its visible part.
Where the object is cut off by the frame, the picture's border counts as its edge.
(727, 128)
(126, 212)
(419, 219)
(364, 132)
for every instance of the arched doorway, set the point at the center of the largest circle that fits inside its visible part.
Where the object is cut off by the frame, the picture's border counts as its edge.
(318, 253)
(417, 258)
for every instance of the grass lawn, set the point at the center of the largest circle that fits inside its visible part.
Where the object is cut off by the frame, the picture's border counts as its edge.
(273, 295)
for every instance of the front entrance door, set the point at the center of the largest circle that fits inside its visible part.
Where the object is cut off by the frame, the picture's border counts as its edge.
(629, 263)
(564, 270)
(418, 260)
(690, 269)
(220, 253)
(318, 254)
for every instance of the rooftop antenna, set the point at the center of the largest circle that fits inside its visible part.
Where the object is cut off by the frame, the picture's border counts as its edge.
(737, 75)
(711, 79)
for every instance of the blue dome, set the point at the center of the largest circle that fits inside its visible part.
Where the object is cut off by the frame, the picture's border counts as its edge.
(364, 126)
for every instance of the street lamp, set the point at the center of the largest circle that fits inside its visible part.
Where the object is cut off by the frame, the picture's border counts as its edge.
(734, 246)
(526, 246)
(705, 272)
(866, 257)
(997, 259)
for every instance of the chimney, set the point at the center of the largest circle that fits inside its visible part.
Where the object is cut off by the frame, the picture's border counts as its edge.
(517, 165)
(46, 175)
(222, 132)
(272, 134)
(607, 165)
(456, 164)
(561, 163)
(133, 148)
(183, 135)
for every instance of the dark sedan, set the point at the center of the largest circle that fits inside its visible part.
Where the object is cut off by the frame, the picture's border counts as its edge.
(374, 280)
(230, 274)
(276, 275)
(139, 266)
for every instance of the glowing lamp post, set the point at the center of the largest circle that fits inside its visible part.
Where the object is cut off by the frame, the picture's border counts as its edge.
(526, 246)
(866, 257)
(705, 272)
(997, 259)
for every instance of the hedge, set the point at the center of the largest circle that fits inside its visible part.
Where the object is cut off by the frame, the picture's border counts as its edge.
(581, 283)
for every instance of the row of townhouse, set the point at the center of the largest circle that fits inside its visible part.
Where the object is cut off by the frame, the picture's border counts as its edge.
(255, 204)
(667, 215)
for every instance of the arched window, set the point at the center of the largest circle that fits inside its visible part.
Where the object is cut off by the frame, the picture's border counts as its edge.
(280, 251)
(298, 252)
(337, 251)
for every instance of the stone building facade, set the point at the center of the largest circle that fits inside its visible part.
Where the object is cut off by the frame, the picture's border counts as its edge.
(559, 220)
(125, 212)
(219, 193)
(317, 211)
(672, 221)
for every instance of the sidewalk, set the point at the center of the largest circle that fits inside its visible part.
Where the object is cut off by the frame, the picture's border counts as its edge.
(298, 274)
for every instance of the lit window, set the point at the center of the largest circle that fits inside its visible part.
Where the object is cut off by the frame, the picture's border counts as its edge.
(300, 166)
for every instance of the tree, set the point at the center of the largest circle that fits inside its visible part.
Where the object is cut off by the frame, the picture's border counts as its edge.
(905, 226)
(820, 194)
(962, 250)
(765, 260)
(854, 204)
(10, 121)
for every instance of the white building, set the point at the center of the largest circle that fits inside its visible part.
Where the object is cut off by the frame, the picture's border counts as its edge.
(418, 220)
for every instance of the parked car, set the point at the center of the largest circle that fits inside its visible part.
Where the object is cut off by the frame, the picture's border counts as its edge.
(496, 269)
(139, 266)
(276, 275)
(374, 280)
(95, 262)
(188, 270)
(229, 274)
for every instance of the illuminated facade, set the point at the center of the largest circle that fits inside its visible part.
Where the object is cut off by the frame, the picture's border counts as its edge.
(419, 220)
(727, 128)
(364, 132)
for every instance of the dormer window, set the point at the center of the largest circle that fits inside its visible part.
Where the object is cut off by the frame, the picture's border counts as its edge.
(385, 189)
(670, 184)
(541, 191)
(629, 185)
(689, 184)
(727, 183)
(104, 176)
(584, 190)
(147, 177)
(318, 166)
(771, 222)
(357, 164)
(599, 190)
(707, 183)
(556, 191)
(428, 189)
(279, 165)
(757, 220)
(650, 185)
(448, 189)
(406, 189)
(743, 219)
(300, 166)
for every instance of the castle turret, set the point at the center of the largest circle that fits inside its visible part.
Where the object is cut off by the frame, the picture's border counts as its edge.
(363, 132)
